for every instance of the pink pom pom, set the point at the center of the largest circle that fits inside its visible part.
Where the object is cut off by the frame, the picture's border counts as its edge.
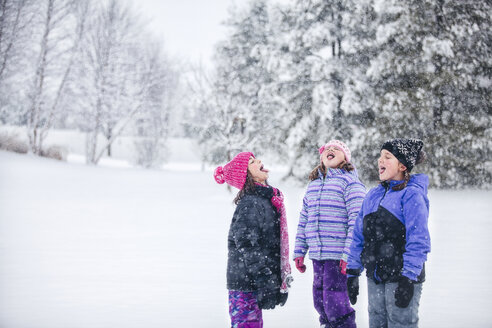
(219, 175)
(321, 149)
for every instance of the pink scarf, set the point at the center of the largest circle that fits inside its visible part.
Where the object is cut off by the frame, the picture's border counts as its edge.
(285, 272)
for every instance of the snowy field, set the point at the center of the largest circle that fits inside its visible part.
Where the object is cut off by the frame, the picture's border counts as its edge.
(120, 247)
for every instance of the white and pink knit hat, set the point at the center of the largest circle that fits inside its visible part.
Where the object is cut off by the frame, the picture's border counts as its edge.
(338, 144)
(234, 172)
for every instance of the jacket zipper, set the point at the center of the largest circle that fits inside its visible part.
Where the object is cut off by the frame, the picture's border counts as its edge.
(384, 195)
(319, 206)
(386, 189)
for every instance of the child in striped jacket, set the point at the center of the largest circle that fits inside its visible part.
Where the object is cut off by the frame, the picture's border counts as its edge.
(330, 207)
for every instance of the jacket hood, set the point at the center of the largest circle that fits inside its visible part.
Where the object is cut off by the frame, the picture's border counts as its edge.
(354, 172)
(420, 181)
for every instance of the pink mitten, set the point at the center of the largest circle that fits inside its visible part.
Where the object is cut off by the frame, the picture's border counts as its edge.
(300, 264)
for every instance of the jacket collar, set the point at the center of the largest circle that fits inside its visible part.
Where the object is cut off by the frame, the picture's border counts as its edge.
(419, 180)
(331, 172)
(391, 183)
(263, 191)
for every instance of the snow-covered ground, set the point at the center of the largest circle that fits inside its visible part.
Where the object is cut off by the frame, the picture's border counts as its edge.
(103, 246)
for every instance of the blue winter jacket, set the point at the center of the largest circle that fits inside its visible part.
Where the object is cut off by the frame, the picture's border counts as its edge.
(391, 237)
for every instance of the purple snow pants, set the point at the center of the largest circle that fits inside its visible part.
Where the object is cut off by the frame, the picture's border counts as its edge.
(244, 310)
(330, 295)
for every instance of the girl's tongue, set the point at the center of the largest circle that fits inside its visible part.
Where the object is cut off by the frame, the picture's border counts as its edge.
(381, 170)
(263, 169)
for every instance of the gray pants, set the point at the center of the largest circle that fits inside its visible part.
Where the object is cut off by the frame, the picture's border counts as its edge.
(383, 313)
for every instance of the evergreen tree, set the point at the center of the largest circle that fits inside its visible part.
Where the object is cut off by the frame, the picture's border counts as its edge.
(428, 84)
(236, 118)
(359, 96)
(312, 73)
(461, 131)
(362, 71)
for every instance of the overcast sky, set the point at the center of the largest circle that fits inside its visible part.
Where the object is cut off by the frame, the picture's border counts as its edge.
(190, 28)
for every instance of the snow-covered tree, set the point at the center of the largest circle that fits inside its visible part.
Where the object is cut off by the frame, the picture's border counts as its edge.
(311, 75)
(82, 64)
(56, 42)
(459, 49)
(428, 81)
(236, 117)
(16, 18)
(363, 71)
(108, 89)
(359, 96)
(160, 79)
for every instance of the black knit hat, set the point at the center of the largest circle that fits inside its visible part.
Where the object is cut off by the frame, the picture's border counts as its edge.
(407, 151)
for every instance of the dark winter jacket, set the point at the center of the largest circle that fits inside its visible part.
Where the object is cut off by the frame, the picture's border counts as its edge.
(391, 237)
(254, 243)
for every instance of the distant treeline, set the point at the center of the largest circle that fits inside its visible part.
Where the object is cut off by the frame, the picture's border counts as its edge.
(88, 65)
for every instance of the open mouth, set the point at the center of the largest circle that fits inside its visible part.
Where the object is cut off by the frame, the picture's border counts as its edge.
(330, 156)
(262, 169)
(381, 169)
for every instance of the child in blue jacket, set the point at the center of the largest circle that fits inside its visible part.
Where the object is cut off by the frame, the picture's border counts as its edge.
(391, 238)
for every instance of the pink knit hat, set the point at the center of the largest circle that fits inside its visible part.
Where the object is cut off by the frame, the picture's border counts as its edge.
(234, 172)
(338, 144)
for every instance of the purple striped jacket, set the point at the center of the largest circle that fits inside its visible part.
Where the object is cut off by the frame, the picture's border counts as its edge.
(326, 222)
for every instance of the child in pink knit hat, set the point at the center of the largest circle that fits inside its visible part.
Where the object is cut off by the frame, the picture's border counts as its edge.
(333, 198)
(258, 270)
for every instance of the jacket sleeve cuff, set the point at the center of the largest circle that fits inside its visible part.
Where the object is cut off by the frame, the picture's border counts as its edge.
(353, 272)
(299, 253)
(410, 275)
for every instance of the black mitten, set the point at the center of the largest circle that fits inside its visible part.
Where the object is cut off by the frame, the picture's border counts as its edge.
(282, 298)
(267, 298)
(403, 292)
(353, 288)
